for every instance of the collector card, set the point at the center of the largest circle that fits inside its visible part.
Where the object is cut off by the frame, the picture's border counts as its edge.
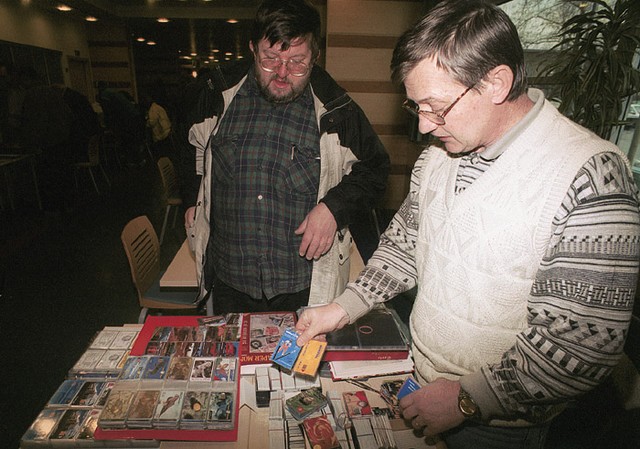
(66, 392)
(194, 409)
(179, 368)
(134, 367)
(116, 407)
(43, 425)
(356, 403)
(69, 425)
(310, 357)
(320, 433)
(202, 369)
(168, 408)
(220, 408)
(90, 393)
(224, 369)
(143, 405)
(287, 350)
(110, 360)
(306, 402)
(409, 386)
(124, 340)
(156, 368)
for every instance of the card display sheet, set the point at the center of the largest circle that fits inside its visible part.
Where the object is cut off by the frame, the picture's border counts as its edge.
(141, 347)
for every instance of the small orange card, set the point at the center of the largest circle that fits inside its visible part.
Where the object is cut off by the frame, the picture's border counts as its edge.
(310, 357)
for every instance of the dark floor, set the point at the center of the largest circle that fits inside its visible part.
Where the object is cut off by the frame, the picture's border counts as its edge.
(64, 276)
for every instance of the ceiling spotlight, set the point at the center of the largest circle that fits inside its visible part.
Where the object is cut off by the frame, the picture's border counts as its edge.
(91, 19)
(151, 43)
(141, 39)
(232, 21)
(162, 20)
(64, 8)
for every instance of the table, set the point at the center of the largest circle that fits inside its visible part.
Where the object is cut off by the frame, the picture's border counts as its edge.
(181, 272)
(253, 427)
(7, 162)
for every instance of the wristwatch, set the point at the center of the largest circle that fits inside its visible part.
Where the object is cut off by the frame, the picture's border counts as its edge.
(468, 406)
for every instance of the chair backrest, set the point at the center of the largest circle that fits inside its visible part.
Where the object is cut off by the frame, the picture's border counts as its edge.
(141, 246)
(169, 178)
(94, 150)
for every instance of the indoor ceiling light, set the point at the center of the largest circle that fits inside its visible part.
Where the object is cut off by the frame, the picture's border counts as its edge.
(232, 20)
(162, 20)
(151, 43)
(141, 39)
(91, 19)
(63, 8)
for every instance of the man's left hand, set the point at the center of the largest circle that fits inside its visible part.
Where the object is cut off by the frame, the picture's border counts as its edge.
(318, 230)
(434, 407)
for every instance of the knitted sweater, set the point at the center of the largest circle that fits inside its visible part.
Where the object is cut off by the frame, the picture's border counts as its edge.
(574, 276)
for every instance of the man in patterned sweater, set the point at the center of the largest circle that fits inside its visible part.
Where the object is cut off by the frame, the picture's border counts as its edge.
(521, 230)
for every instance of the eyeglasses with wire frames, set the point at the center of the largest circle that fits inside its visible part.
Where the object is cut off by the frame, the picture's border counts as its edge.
(434, 117)
(295, 68)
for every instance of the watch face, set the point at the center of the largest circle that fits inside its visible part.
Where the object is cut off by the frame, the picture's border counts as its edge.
(468, 407)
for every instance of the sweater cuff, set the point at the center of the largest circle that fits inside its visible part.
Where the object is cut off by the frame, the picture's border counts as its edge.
(477, 386)
(352, 304)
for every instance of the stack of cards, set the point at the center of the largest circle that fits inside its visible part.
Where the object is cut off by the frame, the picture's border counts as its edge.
(320, 433)
(356, 404)
(306, 403)
(303, 360)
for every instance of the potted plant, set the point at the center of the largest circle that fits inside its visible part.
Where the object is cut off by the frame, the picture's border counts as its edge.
(593, 63)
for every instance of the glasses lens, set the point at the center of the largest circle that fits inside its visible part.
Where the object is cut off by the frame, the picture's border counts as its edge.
(411, 107)
(295, 68)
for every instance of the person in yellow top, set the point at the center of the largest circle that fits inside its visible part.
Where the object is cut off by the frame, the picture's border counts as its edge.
(158, 121)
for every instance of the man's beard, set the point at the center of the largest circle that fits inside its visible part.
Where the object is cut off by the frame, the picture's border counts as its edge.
(287, 98)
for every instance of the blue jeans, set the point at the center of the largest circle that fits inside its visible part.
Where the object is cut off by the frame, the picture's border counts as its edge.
(476, 436)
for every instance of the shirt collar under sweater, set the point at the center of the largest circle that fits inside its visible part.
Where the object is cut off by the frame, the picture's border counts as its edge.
(504, 142)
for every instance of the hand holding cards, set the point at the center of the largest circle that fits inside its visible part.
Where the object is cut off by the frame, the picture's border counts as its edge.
(303, 360)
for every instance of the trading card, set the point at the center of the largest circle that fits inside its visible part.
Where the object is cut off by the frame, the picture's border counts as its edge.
(215, 333)
(194, 408)
(287, 350)
(220, 407)
(232, 333)
(320, 433)
(409, 386)
(106, 390)
(161, 334)
(143, 405)
(66, 392)
(124, 340)
(310, 357)
(43, 425)
(168, 406)
(233, 319)
(88, 360)
(216, 320)
(69, 425)
(89, 426)
(356, 403)
(305, 403)
(156, 368)
(133, 367)
(103, 339)
(202, 368)
(89, 394)
(224, 369)
(156, 348)
(179, 368)
(117, 405)
(110, 360)
(185, 333)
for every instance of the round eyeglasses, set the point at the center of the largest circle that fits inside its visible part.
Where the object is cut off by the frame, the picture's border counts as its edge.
(434, 117)
(295, 68)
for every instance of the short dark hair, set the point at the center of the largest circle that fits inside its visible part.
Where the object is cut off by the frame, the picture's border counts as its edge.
(286, 20)
(467, 38)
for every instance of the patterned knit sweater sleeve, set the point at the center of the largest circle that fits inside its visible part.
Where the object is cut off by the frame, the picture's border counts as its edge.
(580, 304)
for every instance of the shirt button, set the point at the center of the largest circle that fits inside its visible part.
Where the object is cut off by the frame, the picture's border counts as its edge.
(260, 197)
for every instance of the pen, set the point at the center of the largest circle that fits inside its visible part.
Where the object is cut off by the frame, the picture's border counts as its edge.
(293, 150)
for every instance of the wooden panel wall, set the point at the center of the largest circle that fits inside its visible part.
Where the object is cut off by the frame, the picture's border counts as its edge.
(111, 56)
(360, 36)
